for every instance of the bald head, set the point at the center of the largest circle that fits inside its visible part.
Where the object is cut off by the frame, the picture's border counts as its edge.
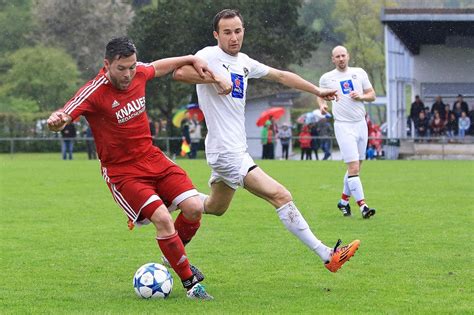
(340, 57)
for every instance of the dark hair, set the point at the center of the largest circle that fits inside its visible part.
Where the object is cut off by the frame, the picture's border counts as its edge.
(119, 47)
(226, 14)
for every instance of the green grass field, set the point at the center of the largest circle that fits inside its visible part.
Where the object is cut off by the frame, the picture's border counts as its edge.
(65, 246)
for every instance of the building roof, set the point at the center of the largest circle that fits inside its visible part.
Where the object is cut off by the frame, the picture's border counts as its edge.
(416, 27)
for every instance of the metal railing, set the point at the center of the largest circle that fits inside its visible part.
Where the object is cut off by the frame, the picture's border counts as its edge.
(443, 146)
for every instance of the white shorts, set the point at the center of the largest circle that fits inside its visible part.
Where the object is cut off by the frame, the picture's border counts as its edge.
(230, 168)
(352, 139)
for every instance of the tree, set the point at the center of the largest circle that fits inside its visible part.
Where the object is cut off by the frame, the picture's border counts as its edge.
(363, 36)
(173, 28)
(16, 25)
(82, 28)
(48, 76)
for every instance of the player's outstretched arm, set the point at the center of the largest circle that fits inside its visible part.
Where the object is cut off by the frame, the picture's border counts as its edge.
(293, 80)
(188, 74)
(58, 120)
(167, 65)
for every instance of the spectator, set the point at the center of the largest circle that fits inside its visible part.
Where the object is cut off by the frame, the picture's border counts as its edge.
(463, 124)
(151, 123)
(91, 150)
(429, 117)
(370, 152)
(439, 106)
(447, 109)
(185, 136)
(305, 143)
(314, 140)
(195, 135)
(437, 125)
(325, 130)
(471, 117)
(460, 106)
(267, 141)
(68, 134)
(452, 126)
(416, 107)
(422, 125)
(275, 132)
(285, 137)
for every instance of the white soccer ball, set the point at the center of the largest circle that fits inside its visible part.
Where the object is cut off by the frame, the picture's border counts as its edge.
(153, 281)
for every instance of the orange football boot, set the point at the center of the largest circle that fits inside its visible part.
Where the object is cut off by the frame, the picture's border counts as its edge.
(341, 255)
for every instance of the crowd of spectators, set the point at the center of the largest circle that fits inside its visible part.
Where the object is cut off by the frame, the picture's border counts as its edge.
(454, 122)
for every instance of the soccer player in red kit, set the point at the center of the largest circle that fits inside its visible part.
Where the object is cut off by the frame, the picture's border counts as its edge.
(142, 180)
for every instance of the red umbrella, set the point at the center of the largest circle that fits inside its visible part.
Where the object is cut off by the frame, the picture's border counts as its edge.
(275, 112)
(194, 109)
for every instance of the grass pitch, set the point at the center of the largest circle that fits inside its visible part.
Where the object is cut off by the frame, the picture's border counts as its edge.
(65, 246)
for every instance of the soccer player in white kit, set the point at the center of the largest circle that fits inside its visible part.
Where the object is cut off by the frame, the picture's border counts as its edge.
(222, 99)
(350, 126)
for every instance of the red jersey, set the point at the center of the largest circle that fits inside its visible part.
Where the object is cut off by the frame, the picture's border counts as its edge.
(117, 117)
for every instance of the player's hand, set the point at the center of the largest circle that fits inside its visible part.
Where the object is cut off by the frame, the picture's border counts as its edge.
(58, 120)
(328, 95)
(323, 107)
(224, 86)
(201, 67)
(355, 96)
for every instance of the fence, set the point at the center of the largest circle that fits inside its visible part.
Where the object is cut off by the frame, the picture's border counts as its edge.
(427, 147)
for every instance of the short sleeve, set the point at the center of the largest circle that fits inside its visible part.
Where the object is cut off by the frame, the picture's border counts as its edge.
(323, 82)
(148, 69)
(365, 81)
(81, 102)
(257, 69)
(203, 54)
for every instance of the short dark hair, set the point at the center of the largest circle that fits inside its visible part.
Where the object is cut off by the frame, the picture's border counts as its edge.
(226, 14)
(119, 47)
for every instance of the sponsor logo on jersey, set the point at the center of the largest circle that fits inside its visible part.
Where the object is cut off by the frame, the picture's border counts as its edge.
(237, 85)
(226, 67)
(115, 104)
(246, 72)
(131, 110)
(346, 86)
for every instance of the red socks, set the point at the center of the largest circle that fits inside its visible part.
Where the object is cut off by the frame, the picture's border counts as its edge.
(345, 197)
(186, 229)
(173, 249)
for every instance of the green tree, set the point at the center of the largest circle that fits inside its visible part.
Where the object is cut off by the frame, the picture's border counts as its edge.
(172, 28)
(363, 36)
(48, 76)
(82, 28)
(16, 25)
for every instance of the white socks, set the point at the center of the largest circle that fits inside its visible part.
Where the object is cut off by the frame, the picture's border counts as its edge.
(355, 186)
(296, 224)
(346, 190)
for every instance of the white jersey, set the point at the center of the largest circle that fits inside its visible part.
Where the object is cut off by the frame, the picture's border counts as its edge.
(225, 114)
(353, 79)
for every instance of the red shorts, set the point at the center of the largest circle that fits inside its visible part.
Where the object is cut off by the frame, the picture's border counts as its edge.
(154, 179)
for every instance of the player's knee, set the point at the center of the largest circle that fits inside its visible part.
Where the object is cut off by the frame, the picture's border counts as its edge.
(192, 208)
(353, 169)
(281, 196)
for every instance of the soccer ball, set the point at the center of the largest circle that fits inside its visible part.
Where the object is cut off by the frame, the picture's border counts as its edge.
(153, 281)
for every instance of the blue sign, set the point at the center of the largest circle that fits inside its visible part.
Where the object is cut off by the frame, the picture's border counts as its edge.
(346, 86)
(237, 85)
